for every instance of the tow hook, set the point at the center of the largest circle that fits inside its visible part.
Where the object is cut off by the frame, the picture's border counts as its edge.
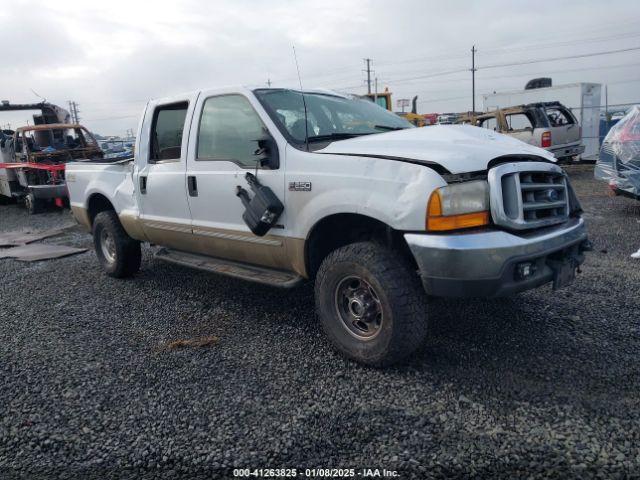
(586, 246)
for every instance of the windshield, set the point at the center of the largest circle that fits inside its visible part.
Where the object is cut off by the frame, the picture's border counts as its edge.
(330, 117)
(49, 141)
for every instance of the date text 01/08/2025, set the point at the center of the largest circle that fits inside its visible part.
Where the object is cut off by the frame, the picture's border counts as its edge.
(315, 473)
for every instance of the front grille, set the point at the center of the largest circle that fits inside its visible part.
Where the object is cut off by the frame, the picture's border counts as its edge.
(528, 195)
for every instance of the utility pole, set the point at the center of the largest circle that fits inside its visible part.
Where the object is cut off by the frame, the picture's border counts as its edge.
(73, 109)
(606, 104)
(268, 82)
(473, 79)
(375, 95)
(368, 70)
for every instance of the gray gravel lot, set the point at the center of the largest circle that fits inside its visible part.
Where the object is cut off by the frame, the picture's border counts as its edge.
(540, 385)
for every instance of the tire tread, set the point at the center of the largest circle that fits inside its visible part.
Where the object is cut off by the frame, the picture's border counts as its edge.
(129, 254)
(408, 300)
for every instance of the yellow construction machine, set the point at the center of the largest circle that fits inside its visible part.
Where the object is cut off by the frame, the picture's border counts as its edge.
(383, 99)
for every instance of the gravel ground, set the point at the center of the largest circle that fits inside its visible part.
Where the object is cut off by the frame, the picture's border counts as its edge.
(541, 385)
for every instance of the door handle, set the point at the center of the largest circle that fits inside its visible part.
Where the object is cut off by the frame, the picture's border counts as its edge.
(192, 185)
(143, 184)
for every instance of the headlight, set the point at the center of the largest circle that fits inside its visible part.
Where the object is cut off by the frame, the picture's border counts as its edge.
(460, 205)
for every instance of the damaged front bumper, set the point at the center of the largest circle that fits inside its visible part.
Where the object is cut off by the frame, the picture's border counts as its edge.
(498, 263)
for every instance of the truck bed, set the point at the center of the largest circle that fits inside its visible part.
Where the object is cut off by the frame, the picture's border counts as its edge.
(111, 179)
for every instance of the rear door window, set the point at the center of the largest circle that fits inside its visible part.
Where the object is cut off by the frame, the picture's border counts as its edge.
(167, 130)
(490, 123)
(518, 121)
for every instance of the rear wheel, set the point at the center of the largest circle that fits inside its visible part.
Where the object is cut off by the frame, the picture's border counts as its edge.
(118, 253)
(371, 304)
(33, 204)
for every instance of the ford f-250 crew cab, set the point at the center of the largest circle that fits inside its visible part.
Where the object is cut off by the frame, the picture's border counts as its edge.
(377, 212)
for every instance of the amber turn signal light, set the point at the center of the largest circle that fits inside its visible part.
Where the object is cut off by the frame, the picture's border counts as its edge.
(437, 222)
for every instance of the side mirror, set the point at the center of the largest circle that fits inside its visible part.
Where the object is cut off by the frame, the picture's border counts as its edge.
(268, 152)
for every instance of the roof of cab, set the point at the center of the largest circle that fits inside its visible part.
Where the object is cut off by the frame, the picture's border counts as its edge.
(48, 126)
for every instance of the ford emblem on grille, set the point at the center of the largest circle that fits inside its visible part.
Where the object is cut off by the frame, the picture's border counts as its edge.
(552, 195)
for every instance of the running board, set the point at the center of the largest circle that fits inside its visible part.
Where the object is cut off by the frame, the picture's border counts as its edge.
(252, 273)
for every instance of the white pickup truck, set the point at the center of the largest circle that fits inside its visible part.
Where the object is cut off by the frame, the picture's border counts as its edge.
(380, 214)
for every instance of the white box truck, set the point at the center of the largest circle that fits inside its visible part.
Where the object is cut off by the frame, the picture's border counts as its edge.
(583, 99)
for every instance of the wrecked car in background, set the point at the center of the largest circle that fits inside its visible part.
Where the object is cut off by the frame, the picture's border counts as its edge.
(345, 193)
(619, 160)
(548, 125)
(32, 161)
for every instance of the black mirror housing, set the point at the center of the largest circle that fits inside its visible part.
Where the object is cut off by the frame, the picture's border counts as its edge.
(263, 210)
(268, 149)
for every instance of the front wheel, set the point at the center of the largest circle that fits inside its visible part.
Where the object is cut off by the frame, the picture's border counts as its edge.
(117, 252)
(371, 304)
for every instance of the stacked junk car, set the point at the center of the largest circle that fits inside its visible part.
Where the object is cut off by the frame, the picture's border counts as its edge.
(33, 158)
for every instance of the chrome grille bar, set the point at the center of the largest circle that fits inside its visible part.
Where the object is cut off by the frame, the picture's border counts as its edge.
(525, 195)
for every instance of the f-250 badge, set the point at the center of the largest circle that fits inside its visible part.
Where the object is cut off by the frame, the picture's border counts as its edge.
(299, 186)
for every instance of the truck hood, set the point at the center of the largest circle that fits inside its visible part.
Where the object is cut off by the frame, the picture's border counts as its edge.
(458, 148)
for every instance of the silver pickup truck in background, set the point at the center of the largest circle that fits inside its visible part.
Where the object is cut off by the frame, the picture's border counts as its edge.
(548, 125)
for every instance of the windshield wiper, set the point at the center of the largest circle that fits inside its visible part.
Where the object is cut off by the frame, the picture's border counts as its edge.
(336, 136)
(389, 127)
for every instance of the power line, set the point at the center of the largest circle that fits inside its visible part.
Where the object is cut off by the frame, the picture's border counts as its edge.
(432, 100)
(567, 43)
(117, 101)
(112, 118)
(489, 51)
(516, 48)
(570, 70)
(553, 59)
(441, 99)
(461, 70)
(527, 62)
(495, 50)
(431, 75)
(531, 73)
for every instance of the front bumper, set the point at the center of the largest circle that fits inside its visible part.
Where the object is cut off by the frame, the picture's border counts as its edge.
(485, 264)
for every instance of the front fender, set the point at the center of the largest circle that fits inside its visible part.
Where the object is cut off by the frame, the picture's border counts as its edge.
(395, 193)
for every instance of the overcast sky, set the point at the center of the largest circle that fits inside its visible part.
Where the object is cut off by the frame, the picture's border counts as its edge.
(110, 56)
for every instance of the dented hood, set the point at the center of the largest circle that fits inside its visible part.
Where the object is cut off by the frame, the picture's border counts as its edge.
(458, 148)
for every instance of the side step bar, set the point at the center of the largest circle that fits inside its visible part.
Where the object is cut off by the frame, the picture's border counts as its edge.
(252, 273)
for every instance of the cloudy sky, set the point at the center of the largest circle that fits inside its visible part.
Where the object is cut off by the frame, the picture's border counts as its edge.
(110, 56)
